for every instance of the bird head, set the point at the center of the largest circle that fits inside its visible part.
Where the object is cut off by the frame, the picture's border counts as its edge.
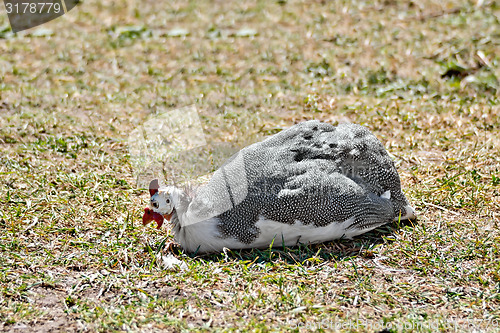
(161, 204)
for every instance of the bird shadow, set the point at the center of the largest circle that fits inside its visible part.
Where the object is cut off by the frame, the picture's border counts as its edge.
(337, 250)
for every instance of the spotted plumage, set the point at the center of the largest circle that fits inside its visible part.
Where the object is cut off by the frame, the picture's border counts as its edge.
(310, 183)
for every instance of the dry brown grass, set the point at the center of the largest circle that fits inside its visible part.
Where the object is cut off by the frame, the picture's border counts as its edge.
(423, 76)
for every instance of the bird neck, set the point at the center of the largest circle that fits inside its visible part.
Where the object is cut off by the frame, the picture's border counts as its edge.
(181, 202)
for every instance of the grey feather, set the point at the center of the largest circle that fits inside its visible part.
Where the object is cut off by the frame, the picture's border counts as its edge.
(312, 172)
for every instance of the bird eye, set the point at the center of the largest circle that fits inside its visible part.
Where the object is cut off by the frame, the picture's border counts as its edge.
(155, 204)
(168, 201)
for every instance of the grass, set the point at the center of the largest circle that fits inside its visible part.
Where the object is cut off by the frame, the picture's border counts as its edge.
(423, 76)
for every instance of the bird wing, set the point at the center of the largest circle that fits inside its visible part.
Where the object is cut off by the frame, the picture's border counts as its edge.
(312, 172)
(315, 193)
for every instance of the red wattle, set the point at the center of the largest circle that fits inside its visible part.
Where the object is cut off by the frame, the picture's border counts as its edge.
(150, 215)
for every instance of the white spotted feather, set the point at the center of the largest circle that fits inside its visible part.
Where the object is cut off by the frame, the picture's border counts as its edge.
(308, 184)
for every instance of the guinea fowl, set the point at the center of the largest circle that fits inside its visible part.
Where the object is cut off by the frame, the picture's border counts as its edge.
(311, 183)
